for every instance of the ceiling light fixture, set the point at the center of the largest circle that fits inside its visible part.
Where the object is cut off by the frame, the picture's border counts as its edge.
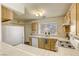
(38, 12)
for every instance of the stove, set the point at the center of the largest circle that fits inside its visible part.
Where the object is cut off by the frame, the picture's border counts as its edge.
(65, 44)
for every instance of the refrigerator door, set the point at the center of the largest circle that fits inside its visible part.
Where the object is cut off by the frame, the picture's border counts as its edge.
(13, 35)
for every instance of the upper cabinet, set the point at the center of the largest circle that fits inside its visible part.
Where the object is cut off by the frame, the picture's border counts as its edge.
(34, 27)
(7, 14)
(72, 17)
(19, 7)
(77, 19)
(67, 23)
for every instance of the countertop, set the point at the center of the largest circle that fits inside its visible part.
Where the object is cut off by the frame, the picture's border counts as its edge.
(49, 37)
(42, 36)
(8, 50)
(42, 52)
(26, 50)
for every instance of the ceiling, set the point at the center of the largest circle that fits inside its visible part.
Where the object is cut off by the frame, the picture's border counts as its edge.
(51, 10)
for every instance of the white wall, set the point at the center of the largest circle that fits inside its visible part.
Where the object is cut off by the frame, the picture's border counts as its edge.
(27, 31)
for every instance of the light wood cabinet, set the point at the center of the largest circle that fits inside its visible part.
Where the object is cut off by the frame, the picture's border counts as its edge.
(67, 28)
(73, 13)
(74, 27)
(78, 19)
(7, 14)
(73, 19)
(44, 43)
(34, 27)
(53, 44)
(41, 43)
(47, 44)
(67, 22)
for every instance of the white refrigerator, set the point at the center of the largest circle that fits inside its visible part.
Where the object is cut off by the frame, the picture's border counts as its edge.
(13, 35)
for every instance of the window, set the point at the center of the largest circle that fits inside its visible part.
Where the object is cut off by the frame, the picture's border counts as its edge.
(48, 28)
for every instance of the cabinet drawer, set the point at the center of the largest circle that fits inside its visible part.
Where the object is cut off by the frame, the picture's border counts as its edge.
(41, 43)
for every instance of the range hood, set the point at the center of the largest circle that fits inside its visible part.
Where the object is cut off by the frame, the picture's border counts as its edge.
(65, 24)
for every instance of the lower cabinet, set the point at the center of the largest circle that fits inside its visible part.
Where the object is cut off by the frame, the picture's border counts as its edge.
(53, 44)
(48, 44)
(41, 43)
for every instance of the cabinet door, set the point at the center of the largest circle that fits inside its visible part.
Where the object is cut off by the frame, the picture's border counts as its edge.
(7, 14)
(4, 12)
(78, 19)
(34, 27)
(53, 44)
(67, 28)
(47, 44)
(41, 43)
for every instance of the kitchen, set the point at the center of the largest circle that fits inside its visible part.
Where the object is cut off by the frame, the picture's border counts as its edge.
(46, 28)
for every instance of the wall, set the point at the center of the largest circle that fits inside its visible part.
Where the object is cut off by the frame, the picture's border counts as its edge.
(27, 30)
(58, 20)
